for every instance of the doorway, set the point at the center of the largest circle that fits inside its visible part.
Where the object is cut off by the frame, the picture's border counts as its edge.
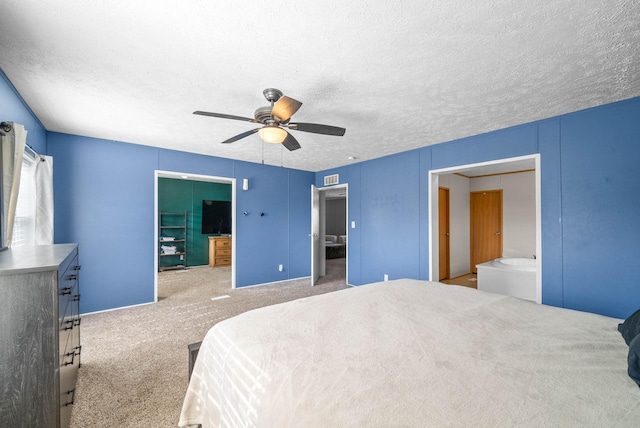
(329, 233)
(193, 177)
(529, 163)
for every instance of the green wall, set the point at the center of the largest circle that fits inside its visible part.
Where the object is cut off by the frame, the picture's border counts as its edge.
(185, 195)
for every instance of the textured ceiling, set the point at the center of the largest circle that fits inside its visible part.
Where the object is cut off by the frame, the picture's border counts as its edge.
(396, 74)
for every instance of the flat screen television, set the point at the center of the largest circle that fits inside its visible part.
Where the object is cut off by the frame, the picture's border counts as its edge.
(216, 217)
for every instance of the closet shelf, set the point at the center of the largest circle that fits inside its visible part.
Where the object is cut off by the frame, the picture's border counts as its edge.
(172, 233)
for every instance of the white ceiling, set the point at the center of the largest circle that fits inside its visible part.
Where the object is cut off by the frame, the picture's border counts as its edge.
(397, 75)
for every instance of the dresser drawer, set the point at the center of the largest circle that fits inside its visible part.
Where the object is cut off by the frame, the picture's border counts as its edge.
(68, 303)
(225, 252)
(69, 338)
(70, 263)
(223, 243)
(68, 287)
(67, 399)
(222, 261)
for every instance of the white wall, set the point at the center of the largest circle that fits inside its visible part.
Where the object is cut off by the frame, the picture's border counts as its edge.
(518, 210)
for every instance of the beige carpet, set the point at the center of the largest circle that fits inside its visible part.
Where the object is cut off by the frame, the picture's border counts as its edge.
(135, 361)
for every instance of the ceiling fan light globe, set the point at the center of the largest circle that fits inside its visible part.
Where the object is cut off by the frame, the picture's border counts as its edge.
(272, 134)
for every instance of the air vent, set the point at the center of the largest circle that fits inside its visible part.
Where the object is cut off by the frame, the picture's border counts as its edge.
(331, 179)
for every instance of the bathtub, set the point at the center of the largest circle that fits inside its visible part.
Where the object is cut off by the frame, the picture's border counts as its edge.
(509, 276)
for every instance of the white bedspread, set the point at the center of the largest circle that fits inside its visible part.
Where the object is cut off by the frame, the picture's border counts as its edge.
(415, 354)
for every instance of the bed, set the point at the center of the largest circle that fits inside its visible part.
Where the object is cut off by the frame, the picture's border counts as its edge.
(412, 353)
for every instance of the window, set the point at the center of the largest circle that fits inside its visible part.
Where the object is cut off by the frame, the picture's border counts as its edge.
(24, 226)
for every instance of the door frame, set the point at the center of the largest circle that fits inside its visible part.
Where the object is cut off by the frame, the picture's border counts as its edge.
(447, 254)
(433, 180)
(317, 217)
(192, 177)
(321, 213)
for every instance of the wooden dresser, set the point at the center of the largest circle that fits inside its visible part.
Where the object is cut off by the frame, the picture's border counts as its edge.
(219, 251)
(39, 335)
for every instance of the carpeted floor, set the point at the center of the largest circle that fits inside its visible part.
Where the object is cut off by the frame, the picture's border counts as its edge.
(135, 362)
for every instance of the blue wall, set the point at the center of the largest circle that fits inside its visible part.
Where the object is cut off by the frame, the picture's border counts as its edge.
(104, 200)
(590, 205)
(14, 109)
(600, 188)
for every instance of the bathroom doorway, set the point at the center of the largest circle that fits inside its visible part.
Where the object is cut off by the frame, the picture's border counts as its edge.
(460, 245)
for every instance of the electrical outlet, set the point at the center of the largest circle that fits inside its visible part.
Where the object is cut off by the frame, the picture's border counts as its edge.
(280, 268)
(181, 256)
(386, 277)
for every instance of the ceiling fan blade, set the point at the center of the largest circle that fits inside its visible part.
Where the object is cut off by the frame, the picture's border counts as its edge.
(285, 107)
(240, 136)
(291, 143)
(317, 128)
(225, 116)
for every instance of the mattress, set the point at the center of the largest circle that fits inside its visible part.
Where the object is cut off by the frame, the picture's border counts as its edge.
(412, 353)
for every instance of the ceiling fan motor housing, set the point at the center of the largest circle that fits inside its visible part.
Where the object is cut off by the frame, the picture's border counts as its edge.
(263, 114)
(272, 95)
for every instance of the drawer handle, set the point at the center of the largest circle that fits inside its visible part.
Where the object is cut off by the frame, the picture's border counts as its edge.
(72, 393)
(74, 322)
(69, 325)
(72, 277)
(76, 298)
(71, 354)
(77, 267)
(66, 291)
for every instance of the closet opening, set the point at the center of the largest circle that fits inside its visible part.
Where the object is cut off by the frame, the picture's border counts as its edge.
(181, 196)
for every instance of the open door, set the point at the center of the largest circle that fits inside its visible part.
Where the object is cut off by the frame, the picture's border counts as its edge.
(316, 242)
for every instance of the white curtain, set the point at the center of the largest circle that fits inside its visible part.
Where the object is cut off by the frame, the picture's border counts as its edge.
(13, 144)
(44, 200)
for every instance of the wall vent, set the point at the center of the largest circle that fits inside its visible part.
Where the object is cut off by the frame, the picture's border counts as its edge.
(331, 179)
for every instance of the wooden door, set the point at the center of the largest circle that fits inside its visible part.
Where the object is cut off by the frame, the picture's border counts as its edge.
(485, 227)
(443, 232)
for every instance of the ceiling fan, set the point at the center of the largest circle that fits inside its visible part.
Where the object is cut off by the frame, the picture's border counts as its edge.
(274, 119)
